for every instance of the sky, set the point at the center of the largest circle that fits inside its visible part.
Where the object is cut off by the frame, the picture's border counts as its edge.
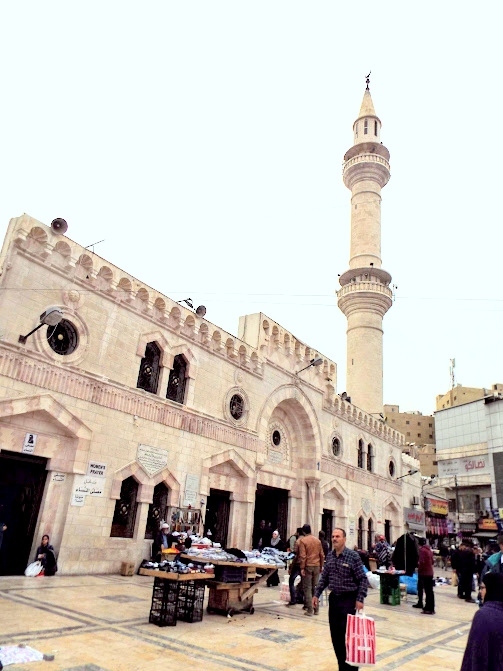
(200, 145)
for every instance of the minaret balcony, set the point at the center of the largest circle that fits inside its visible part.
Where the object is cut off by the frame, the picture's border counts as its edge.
(366, 167)
(366, 295)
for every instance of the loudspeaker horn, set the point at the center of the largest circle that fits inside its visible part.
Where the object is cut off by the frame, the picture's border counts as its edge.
(59, 226)
(201, 311)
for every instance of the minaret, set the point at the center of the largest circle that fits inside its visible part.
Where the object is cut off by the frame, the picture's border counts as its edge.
(365, 296)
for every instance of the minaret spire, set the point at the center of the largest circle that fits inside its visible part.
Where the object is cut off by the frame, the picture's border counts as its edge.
(365, 296)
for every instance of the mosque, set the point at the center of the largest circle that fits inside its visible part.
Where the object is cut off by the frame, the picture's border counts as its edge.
(121, 408)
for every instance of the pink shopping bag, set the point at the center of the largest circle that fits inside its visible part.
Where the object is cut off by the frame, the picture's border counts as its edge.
(360, 640)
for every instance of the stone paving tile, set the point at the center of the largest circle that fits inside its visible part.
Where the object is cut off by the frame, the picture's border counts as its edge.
(94, 623)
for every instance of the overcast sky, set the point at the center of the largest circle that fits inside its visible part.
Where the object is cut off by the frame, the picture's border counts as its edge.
(203, 142)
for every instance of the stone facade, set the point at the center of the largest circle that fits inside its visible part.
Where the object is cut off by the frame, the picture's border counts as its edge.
(84, 407)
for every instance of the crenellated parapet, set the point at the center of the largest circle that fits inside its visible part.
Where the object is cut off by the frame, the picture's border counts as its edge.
(281, 347)
(91, 273)
(349, 412)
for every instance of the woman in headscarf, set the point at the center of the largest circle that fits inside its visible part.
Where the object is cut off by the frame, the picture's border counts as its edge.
(277, 544)
(47, 556)
(484, 649)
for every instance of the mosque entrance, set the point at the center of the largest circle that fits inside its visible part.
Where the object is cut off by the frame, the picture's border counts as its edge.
(22, 481)
(218, 506)
(326, 524)
(271, 505)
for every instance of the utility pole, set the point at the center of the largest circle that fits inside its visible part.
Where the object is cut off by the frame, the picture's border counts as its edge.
(457, 500)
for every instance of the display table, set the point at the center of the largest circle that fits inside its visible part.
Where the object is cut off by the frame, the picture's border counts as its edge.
(390, 586)
(176, 596)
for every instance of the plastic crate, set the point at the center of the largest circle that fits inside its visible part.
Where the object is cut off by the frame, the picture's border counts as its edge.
(163, 610)
(230, 573)
(190, 601)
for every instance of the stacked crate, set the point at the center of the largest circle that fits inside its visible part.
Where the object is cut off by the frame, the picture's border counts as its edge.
(163, 610)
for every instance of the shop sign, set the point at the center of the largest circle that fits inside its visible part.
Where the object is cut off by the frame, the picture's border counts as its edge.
(153, 460)
(437, 506)
(466, 466)
(487, 524)
(30, 440)
(414, 517)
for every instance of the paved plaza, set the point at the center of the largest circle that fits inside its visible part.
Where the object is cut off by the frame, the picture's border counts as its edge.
(100, 623)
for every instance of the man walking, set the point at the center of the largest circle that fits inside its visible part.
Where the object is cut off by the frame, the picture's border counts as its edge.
(311, 559)
(345, 576)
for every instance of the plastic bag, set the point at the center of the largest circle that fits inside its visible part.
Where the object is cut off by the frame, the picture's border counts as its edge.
(360, 640)
(411, 583)
(33, 569)
(373, 580)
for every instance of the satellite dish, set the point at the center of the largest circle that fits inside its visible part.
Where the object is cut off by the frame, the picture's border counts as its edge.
(200, 311)
(59, 226)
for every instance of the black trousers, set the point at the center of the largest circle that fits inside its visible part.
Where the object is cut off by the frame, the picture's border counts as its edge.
(420, 590)
(339, 607)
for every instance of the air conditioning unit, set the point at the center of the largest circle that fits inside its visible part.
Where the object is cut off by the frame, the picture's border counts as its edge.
(415, 500)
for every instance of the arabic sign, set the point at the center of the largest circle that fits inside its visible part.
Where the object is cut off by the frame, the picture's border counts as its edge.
(191, 490)
(487, 524)
(86, 485)
(413, 517)
(152, 459)
(58, 477)
(466, 466)
(437, 506)
(30, 440)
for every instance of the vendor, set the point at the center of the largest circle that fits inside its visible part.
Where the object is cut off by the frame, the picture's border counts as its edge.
(276, 543)
(163, 541)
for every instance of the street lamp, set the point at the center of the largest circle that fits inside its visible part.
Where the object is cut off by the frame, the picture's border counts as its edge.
(314, 362)
(50, 317)
(411, 472)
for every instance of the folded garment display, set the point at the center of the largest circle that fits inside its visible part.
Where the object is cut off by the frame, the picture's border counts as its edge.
(177, 566)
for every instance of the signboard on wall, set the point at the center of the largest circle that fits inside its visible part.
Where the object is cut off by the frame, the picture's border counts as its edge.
(30, 440)
(414, 519)
(479, 465)
(191, 490)
(153, 460)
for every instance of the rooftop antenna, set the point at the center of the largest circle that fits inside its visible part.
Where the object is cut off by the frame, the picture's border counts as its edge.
(92, 245)
(451, 371)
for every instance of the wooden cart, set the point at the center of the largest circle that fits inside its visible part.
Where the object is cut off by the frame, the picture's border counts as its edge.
(228, 598)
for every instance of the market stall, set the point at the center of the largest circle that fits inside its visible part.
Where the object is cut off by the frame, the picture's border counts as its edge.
(234, 585)
(176, 596)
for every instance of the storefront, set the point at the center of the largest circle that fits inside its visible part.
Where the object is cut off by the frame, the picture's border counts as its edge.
(437, 527)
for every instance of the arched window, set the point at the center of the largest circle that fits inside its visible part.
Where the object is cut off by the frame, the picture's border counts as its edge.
(125, 510)
(148, 376)
(356, 130)
(370, 458)
(370, 534)
(366, 127)
(157, 510)
(361, 532)
(360, 453)
(176, 382)
(375, 128)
